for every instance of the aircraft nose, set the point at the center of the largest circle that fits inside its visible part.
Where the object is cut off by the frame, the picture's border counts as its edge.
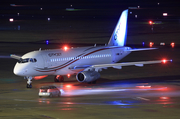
(18, 70)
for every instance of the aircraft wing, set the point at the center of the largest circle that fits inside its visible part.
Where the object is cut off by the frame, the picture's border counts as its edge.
(16, 57)
(120, 65)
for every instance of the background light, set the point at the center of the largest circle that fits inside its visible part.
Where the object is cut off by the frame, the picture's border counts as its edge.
(150, 22)
(165, 14)
(11, 19)
(172, 44)
(47, 42)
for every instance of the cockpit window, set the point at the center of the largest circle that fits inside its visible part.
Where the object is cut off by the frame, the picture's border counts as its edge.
(27, 60)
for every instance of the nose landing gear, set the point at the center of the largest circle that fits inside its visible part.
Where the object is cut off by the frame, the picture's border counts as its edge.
(29, 81)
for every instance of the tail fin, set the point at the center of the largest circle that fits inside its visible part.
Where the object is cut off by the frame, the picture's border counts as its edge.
(118, 38)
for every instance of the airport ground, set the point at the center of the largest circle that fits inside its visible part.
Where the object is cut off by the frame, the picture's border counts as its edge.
(147, 92)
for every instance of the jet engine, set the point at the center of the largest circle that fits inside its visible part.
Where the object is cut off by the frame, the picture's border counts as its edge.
(87, 76)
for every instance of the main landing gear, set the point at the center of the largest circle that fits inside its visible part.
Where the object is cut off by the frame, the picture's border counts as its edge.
(58, 78)
(29, 81)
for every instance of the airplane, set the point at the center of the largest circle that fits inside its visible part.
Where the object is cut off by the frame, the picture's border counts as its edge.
(84, 62)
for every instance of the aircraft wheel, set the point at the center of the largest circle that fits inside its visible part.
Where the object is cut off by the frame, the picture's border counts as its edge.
(29, 86)
(50, 95)
(59, 94)
(59, 78)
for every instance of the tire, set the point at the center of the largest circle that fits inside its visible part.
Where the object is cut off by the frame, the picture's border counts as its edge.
(58, 78)
(59, 94)
(61, 79)
(50, 95)
(29, 86)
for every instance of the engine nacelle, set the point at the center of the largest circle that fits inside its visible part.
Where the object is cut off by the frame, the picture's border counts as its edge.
(87, 76)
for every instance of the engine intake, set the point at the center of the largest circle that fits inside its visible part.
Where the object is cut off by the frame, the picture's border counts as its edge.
(87, 76)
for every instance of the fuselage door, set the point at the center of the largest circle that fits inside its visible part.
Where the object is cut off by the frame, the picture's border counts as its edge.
(46, 62)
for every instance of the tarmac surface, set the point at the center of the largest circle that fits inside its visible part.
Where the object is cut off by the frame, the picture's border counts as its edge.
(152, 91)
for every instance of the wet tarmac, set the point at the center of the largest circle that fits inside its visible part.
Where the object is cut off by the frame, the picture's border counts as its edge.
(132, 92)
(115, 99)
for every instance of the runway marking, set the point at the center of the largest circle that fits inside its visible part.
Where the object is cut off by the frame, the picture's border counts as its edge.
(141, 98)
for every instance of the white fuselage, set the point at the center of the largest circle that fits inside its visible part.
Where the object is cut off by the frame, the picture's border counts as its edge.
(71, 61)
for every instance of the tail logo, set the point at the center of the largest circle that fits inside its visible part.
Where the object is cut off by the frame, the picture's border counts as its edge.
(118, 38)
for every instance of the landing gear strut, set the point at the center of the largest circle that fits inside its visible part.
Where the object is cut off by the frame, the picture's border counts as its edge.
(58, 78)
(29, 81)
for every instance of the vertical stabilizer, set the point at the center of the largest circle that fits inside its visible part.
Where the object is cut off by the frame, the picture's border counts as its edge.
(118, 38)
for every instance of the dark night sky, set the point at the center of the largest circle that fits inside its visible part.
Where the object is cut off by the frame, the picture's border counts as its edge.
(110, 7)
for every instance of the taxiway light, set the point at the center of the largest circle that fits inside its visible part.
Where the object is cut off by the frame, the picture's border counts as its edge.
(143, 43)
(47, 42)
(151, 44)
(172, 44)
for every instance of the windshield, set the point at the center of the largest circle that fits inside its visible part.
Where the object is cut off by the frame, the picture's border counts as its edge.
(27, 60)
